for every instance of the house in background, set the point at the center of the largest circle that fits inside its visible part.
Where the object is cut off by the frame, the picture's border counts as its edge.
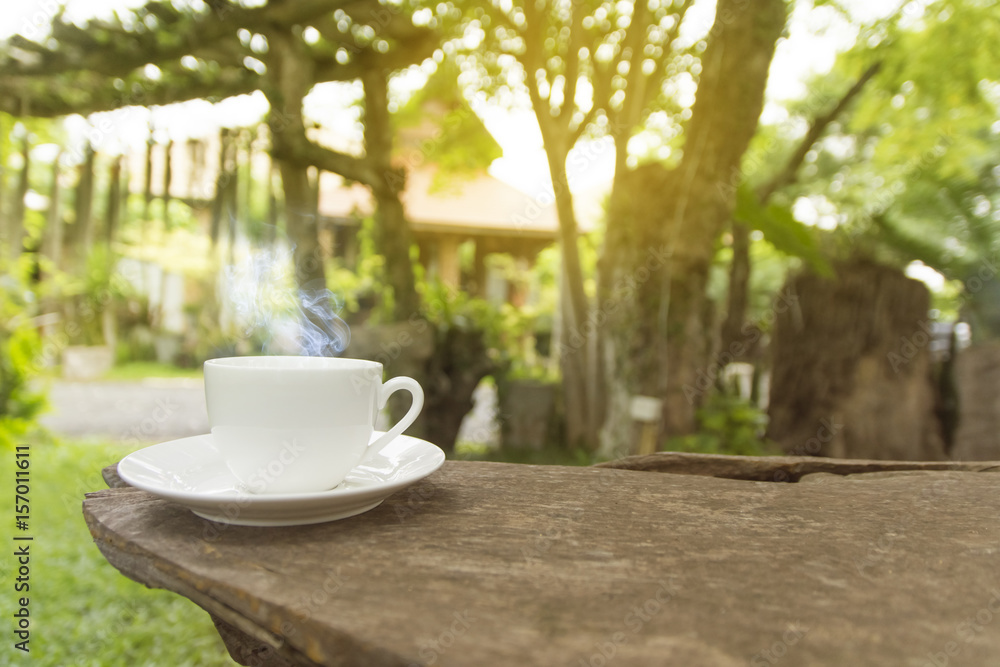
(479, 209)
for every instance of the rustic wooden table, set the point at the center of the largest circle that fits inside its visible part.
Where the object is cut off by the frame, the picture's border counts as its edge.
(499, 564)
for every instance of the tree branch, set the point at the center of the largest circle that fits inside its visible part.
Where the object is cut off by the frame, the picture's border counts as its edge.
(787, 175)
(108, 48)
(572, 72)
(656, 77)
(89, 93)
(300, 150)
(532, 62)
(578, 131)
(631, 53)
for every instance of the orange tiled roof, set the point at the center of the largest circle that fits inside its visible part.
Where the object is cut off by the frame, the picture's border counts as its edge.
(480, 205)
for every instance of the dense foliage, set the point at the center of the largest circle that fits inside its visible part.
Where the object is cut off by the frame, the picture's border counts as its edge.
(21, 399)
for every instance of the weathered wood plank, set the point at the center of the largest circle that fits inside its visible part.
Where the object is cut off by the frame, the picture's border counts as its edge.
(750, 468)
(499, 564)
(779, 468)
(246, 650)
(111, 478)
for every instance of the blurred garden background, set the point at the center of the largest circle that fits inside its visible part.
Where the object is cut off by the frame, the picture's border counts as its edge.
(590, 229)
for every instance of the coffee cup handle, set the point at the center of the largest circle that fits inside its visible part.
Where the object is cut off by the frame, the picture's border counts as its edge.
(387, 390)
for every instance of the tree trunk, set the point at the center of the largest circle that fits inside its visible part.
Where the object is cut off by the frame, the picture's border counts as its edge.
(19, 210)
(300, 212)
(125, 191)
(573, 349)
(83, 231)
(114, 201)
(271, 233)
(851, 375)
(220, 205)
(731, 335)
(662, 233)
(147, 183)
(576, 345)
(393, 237)
(168, 175)
(293, 78)
(244, 205)
(459, 362)
(53, 238)
(231, 205)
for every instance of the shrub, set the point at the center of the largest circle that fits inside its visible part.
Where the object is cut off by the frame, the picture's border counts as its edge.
(20, 346)
(727, 425)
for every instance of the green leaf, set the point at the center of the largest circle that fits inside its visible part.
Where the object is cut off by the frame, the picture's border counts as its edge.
(438, 126)
(781, 229)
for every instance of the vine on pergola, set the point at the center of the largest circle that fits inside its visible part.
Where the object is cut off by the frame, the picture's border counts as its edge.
(161, 54)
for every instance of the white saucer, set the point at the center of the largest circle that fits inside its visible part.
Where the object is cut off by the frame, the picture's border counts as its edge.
(191, 472)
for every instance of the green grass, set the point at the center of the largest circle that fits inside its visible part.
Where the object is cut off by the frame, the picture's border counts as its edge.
(139, 370)
(84, 613)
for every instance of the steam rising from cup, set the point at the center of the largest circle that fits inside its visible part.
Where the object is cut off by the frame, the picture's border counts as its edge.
(266, 304)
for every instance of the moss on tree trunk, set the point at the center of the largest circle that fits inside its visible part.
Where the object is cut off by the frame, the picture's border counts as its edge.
(663, 229)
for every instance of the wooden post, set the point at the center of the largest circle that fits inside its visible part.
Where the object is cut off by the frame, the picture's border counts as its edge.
(222, 179)
(246, 178)
(193, 169)
(449, 268)
(126, 188)
(20, 211)
(147, 182)
(53, 238)
(272, 206)
(167, 177)
(479, 267)
(233, 194)
(84, 232)
(114, 201)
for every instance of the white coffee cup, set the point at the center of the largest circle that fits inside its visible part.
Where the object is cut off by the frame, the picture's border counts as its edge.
(299, 424)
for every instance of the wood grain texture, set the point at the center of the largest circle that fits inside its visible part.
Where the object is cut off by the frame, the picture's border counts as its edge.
(779, 468)
(111, 478)
(501, 564)
(246, 650)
